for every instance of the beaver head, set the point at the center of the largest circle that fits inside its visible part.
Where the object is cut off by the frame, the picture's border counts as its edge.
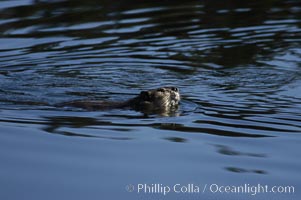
(159, 99)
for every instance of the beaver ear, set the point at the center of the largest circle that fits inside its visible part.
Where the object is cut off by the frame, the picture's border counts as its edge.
(145, 95)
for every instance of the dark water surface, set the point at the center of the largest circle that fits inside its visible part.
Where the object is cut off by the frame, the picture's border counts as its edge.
(238, 67)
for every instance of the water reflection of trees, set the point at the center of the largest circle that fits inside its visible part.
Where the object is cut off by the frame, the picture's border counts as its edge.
(176, 19)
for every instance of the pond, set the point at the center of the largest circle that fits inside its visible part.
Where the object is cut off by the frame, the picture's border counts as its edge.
(235, 135)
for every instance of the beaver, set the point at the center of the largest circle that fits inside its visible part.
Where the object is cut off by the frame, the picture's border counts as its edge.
(162, 99)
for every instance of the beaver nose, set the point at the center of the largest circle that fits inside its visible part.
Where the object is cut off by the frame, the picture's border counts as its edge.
(174, 89)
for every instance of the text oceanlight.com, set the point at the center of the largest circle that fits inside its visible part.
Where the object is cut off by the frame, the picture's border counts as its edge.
(162, 189)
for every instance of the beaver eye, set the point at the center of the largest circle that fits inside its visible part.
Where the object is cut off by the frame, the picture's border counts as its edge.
(174, 89)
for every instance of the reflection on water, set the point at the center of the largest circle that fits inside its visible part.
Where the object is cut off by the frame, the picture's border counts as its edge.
(240, 170)
(237, 65)
(225, 150)
(228, 151)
